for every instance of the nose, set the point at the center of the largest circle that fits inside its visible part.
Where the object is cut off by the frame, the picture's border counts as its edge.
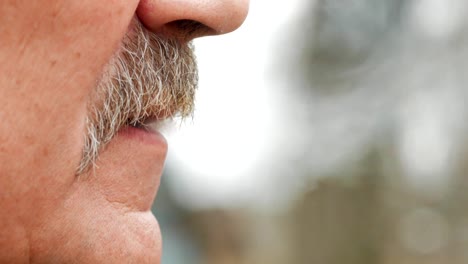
(189, 19)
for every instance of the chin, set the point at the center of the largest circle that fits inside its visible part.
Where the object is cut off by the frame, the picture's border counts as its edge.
(117, 233)
(139, 240)
(88, 228)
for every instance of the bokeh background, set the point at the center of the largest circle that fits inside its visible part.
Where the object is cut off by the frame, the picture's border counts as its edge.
(328, 132)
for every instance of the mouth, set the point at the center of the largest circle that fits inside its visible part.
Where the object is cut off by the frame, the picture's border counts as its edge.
(151, 124)
(146, 130)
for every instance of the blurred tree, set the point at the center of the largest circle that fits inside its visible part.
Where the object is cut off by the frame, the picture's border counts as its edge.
(341, 37)
(340, 220)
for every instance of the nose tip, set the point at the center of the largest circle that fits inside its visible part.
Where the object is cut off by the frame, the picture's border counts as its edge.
(189, 19)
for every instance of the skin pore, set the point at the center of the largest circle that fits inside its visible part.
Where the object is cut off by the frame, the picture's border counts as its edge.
(55, 58)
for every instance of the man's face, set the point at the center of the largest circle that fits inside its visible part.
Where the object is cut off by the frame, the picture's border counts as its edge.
(83, 84)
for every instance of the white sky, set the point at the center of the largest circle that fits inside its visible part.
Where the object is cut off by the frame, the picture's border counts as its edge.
(214, 158)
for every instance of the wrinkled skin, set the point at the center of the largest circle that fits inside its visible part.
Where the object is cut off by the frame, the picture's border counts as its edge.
(52, 55)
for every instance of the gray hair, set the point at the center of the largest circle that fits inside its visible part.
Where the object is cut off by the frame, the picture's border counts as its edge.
(151, 78)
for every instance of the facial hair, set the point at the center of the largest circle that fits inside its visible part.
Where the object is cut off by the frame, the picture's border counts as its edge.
(151, 77)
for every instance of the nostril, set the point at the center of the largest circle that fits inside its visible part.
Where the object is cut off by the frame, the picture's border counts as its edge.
(189, 19)
(189, 29)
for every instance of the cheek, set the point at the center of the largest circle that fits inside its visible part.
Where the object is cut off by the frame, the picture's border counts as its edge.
(51, 56)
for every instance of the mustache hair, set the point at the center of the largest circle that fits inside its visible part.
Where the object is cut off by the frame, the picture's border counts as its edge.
(152, 77)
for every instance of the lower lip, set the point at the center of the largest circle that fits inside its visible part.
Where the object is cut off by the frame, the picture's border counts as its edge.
(147, 152)
(152, 137)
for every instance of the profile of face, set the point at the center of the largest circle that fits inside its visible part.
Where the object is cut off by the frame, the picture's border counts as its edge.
(83, 87)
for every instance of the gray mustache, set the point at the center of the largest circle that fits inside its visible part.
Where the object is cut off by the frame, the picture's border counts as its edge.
(150, 78)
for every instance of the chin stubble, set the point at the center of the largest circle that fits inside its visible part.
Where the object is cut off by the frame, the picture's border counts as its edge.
(151, 77)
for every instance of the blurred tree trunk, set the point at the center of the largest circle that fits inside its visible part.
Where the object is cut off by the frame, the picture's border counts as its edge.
(456, 207)
(340, 221)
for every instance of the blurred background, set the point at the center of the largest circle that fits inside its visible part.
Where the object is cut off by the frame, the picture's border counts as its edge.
(328, 132)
